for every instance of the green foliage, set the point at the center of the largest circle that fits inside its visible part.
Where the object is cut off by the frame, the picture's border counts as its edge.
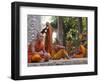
(71, 30)
(84, 24)
(54, 22)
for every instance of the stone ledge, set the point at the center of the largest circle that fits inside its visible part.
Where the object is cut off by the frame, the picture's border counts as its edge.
(73, 61)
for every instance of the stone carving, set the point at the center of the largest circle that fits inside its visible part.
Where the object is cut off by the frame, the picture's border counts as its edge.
(34, 26)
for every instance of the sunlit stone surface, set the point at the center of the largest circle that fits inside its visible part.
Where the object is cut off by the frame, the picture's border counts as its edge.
(73, 61)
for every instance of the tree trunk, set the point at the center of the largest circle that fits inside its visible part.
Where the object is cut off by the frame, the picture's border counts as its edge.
(60, 29)
(80, 24)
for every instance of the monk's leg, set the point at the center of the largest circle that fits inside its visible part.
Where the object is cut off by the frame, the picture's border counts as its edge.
(60, 54)
(36, 57)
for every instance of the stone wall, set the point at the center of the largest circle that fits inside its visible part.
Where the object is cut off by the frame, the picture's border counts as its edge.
(34, 26)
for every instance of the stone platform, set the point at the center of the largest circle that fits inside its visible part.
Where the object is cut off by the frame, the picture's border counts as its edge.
(73, 61)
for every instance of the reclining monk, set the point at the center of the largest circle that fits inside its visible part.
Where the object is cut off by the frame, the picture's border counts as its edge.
(56, 51)
(36, 52)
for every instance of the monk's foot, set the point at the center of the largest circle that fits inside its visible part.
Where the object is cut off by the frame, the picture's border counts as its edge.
(42, 60)
(67, 56)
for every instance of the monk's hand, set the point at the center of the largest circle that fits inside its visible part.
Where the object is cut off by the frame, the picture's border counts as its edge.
(41, 53)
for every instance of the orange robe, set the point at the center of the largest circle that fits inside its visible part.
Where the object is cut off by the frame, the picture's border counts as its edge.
(39, 45)
(59, 54)
(48, 41)
(29, 53)
(82, 53)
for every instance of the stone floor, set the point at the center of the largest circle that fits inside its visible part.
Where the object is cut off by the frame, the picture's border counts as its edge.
(72, 61)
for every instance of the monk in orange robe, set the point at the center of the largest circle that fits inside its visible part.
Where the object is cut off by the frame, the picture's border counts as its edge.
(48, 41)
(37, 50)
(58, 53)
(81, 52)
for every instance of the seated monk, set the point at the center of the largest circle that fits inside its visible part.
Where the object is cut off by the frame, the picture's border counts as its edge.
(38, 53)
(59, 52)
(81, 52)
(56, 51)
